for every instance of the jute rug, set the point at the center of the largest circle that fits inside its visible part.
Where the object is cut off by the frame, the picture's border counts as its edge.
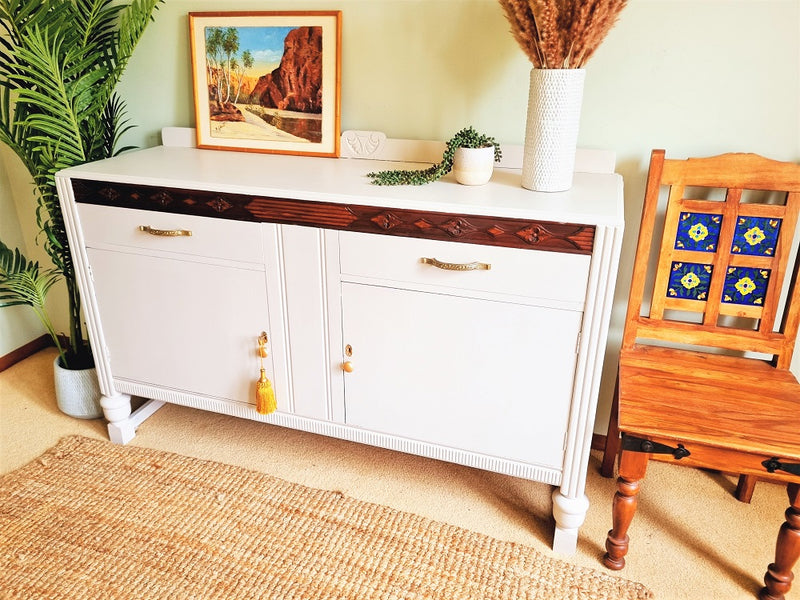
(89, 519)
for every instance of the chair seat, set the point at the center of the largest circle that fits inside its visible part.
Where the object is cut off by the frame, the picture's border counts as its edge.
(736, 403)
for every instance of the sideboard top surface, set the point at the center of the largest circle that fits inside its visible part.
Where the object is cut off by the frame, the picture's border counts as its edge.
(595, 198)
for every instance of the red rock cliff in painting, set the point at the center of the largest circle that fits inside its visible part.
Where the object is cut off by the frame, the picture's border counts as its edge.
(297, 83)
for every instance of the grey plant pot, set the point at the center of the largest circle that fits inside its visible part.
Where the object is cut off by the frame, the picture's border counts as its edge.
(77, 392)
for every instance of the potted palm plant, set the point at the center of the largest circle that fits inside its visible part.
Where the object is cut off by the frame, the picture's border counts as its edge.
(60, 61)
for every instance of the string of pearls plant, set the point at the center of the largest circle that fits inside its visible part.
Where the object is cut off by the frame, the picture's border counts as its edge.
(466, 138)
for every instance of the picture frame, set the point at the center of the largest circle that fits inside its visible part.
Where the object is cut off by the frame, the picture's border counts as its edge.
(267, 81)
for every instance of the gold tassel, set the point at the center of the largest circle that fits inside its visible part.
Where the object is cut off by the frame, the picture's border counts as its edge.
(265, 395)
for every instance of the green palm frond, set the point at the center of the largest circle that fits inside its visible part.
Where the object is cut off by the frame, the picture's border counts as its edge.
(132, 24)
(115, 125)
(60, 61)
(23, 282)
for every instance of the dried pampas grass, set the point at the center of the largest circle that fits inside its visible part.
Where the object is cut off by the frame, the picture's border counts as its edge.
(561, 34)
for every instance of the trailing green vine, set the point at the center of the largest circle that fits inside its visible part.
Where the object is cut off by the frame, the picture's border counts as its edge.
(466, 138)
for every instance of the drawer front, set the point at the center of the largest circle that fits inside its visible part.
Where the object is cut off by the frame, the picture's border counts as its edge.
(215, 238)
(532, 273)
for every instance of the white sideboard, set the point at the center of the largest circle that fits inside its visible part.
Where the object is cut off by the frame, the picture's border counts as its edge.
(385, 325)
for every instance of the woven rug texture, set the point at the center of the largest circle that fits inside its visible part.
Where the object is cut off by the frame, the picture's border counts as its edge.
(90, 519)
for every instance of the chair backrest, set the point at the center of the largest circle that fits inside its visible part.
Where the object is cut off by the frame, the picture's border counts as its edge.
(725, 258)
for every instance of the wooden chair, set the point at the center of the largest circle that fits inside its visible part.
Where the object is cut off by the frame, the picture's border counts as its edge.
(723, 286)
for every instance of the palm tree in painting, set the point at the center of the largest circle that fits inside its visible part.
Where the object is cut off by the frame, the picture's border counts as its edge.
(241, 71)
(230, 46)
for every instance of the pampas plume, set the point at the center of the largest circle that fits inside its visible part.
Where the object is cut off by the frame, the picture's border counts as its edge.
(561, 34)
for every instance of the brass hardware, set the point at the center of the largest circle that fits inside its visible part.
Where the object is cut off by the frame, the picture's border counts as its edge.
(347, 367)
(473, 266)
(635, 444)
(262, 345)
(348, 350)
(165, 232)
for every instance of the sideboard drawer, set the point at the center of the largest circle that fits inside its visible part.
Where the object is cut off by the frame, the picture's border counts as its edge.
(216, 238)
(551, 276)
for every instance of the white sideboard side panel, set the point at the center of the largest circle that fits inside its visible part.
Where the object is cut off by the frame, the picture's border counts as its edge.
(77, 245)
(599, 298)
(306, 295)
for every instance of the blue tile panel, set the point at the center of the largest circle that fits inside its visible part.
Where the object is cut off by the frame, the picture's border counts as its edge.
(689, 281)
(698, 232)
(756, 236)
(745, 285)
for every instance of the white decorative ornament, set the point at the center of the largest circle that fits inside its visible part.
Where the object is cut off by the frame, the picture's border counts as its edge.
(362, 144)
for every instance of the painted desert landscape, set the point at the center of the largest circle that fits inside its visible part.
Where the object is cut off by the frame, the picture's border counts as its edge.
(265, 83)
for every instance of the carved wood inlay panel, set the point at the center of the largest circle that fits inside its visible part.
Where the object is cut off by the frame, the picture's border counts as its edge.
(471, 229)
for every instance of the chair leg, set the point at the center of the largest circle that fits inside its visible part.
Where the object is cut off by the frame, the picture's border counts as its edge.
(779, 576)
(745, 488)
(613, 440)
(632, 467)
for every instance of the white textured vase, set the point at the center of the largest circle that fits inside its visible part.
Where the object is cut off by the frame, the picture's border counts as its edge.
(551, 133)
(473, 166)
(77, 392)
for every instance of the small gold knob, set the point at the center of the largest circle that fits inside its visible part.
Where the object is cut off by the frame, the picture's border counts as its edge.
(347, 367)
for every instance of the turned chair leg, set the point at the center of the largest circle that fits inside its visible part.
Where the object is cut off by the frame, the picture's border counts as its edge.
(745, 488)
(613, 440)
(632, 467)
(779, 575)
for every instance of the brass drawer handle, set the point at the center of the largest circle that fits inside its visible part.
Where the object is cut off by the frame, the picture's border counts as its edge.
(165, 232)
(473, 266)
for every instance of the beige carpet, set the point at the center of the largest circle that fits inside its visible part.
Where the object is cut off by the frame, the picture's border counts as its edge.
(89, 519)
(690, 537)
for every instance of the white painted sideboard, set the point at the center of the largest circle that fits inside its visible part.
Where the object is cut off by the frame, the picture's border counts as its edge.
(495, 368)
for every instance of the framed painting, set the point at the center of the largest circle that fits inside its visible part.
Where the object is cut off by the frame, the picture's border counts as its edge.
(267, 81)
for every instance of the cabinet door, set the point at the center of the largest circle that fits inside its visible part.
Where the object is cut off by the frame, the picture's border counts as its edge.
(182, 324)
(478, 375)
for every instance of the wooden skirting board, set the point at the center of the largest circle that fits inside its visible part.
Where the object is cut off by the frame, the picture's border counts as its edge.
(23, 352)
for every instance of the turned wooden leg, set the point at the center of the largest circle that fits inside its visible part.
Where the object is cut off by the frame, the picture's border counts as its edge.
(613, 440)
(779, 575)
(745, 488)
(632, 467)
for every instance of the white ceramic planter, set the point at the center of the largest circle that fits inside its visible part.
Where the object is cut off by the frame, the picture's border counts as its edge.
(77, 392)
(551, 133)
(473, 166)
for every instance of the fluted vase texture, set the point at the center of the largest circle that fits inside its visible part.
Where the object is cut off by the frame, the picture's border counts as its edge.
(551, 134)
